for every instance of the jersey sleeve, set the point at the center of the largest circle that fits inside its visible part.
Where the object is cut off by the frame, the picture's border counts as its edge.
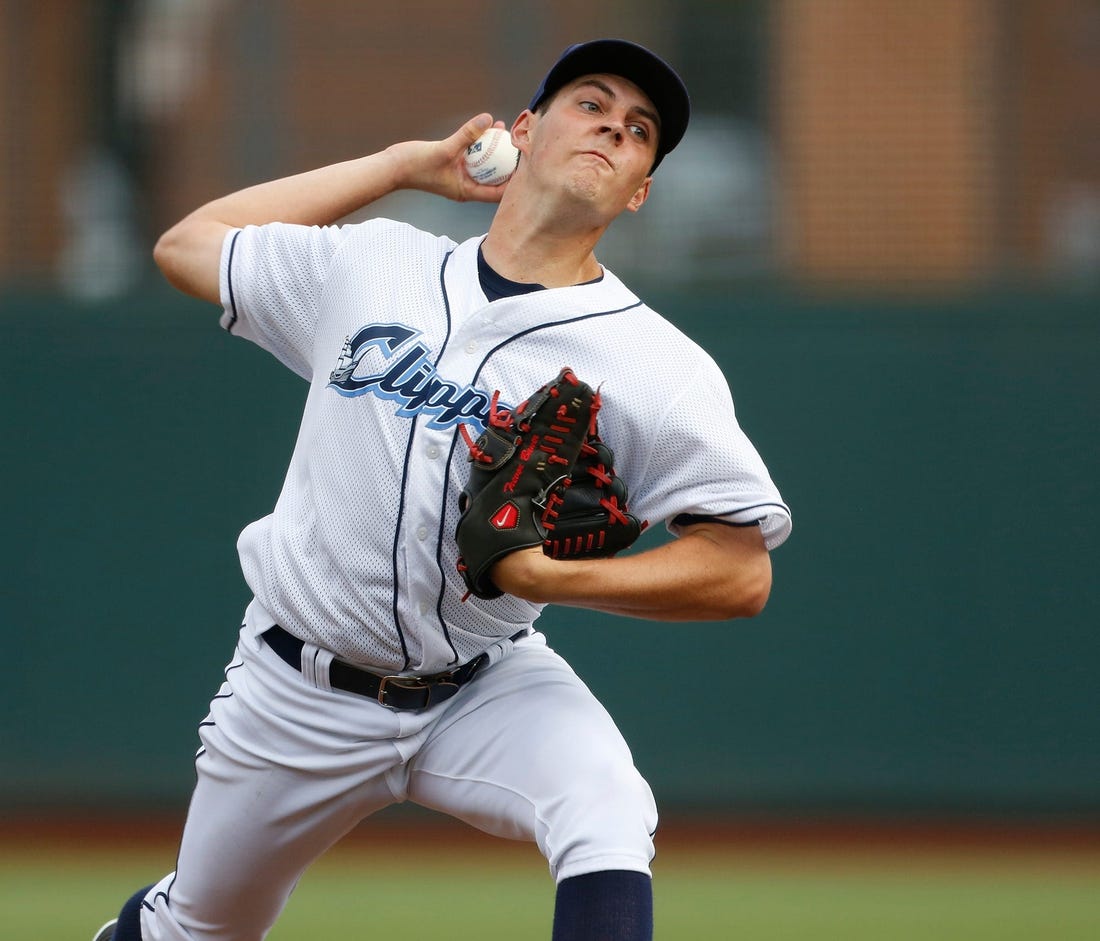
(702, 465)
(272, 280)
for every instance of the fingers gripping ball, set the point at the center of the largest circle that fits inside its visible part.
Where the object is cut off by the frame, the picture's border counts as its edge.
(520, 465)
(590, 518)
(492, 158)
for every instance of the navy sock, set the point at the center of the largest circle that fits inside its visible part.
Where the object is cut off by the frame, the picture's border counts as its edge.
(614, 905)
(129, 919)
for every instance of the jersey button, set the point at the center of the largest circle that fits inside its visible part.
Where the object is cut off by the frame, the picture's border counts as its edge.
(422, 533)
(433, 452)
(471, 347)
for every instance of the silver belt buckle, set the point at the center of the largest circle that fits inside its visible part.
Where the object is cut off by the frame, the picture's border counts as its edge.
(401, 682)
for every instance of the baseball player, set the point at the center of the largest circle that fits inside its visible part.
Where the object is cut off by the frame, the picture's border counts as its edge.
(366, 672)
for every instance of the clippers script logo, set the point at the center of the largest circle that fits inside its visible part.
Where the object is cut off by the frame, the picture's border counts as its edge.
(407, 377)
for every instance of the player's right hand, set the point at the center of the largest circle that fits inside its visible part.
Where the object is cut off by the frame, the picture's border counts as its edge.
(439, 166)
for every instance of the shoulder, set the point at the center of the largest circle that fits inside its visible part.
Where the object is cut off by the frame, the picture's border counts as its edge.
(649, 321)
(383, 233)
(660, 345)
(370, 235)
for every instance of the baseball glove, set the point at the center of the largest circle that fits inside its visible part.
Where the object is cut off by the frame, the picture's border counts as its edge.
(590, 518)
(521, 466)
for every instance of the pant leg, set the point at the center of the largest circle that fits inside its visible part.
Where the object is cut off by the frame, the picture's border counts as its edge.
(528, 752)
(285, 771)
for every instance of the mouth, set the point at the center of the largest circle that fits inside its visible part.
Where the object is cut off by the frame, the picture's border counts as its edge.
(598, 156)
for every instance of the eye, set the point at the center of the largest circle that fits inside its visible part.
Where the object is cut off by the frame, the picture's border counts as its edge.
(640, 131)
(590, 106)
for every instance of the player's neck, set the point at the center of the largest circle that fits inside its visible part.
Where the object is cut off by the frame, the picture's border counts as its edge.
(530, 255)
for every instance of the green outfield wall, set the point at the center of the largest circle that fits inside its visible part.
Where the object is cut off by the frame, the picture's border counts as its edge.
(933, 639)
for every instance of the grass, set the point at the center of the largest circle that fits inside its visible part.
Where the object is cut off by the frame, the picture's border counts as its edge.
(748, 893)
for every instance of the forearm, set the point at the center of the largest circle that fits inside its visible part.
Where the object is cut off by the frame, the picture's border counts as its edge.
(316, 197)
(712, 573)
(188, 253)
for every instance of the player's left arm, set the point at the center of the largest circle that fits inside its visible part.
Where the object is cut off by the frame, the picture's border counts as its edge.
(712, 572)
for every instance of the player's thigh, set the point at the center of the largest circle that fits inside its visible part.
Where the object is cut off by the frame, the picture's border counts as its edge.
(271, 796)
(245, 846)
(532, 754)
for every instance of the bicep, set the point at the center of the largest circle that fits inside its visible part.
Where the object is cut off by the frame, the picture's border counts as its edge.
(734, 560)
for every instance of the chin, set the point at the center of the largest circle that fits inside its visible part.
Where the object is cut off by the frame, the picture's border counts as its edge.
(585, 185)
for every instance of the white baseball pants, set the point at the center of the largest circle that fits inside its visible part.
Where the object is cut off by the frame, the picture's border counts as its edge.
(524, 751)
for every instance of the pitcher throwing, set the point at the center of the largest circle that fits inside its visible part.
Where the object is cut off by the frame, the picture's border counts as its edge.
(385, 659)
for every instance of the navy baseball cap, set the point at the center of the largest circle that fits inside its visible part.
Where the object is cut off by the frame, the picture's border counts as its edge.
(645, 69)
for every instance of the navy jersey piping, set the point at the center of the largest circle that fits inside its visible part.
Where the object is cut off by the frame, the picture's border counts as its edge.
(405, 480)
(439, 545)
(687, 519)
(548, 326)
(446, 477)
(229, 282)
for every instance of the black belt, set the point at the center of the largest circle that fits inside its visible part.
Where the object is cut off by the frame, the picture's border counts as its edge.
(397, 692)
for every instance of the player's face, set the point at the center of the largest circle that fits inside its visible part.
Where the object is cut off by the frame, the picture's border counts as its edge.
(599, 137)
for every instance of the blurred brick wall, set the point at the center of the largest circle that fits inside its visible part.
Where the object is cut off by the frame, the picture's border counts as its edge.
(940, 142)
(295, 85)
(886, 112)
(1052, 165)
(218, 94)
(44, 66)
(300, 83)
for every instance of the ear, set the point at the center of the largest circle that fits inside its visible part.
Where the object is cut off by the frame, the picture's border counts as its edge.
(521, 130)
(640, 196)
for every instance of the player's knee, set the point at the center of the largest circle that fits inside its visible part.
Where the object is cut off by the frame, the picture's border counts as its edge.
(608, 824)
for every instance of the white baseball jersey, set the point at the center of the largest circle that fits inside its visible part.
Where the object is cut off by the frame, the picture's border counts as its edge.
(392, 330)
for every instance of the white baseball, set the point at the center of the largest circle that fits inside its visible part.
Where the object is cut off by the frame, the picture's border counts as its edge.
(492, 158)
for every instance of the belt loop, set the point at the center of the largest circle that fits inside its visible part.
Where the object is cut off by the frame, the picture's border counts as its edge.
(501, 648)
(315, 666)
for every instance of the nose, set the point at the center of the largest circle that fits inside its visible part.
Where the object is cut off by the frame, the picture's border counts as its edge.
(615, 128)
